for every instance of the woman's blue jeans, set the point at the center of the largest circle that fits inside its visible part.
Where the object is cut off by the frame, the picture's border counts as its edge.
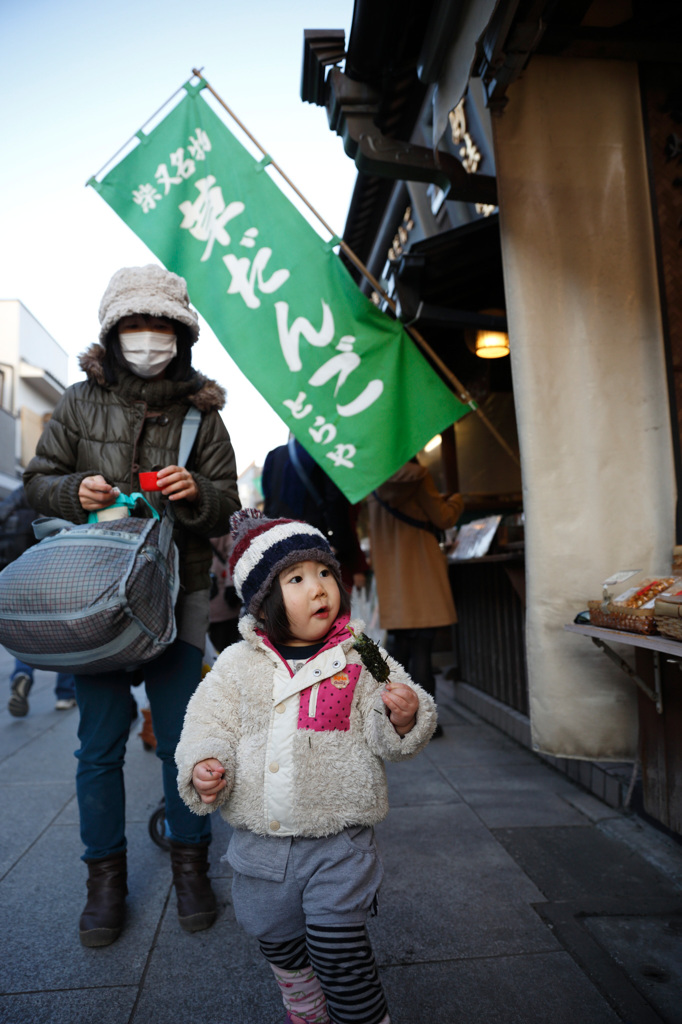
(104, 704)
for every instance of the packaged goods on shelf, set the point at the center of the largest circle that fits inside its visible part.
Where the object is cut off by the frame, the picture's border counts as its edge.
(642, 594)
(634, 610)
(668, 612)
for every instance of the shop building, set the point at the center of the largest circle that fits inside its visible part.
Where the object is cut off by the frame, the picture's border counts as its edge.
(520, 172)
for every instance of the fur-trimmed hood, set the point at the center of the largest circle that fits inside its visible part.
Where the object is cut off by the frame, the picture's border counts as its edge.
(208, 395)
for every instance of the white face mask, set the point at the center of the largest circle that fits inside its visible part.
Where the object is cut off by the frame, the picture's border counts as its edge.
(148, 353)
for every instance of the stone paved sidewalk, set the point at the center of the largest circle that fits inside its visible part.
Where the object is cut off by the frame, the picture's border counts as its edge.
(511, 896)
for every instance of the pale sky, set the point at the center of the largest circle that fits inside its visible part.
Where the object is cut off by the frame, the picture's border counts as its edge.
(80, 78)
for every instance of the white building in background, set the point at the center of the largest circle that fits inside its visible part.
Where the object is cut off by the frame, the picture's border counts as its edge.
(33, 375)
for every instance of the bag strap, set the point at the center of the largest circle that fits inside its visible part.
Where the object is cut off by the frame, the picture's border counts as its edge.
(188, 435)
(421, 524)
(190, 429)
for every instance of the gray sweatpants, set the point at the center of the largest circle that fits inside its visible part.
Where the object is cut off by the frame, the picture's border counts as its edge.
(278, 891)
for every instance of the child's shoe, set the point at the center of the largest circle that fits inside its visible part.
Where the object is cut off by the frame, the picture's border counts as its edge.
(301, 989)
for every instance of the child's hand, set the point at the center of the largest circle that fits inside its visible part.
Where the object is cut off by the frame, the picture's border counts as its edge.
(208, 778)
(402, 703)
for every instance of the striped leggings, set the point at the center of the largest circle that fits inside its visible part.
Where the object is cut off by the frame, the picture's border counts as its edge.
(342, 959)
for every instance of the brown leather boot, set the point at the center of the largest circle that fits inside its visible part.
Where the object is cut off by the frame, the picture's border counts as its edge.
(197, 907)
(102, 919)
(146, 733)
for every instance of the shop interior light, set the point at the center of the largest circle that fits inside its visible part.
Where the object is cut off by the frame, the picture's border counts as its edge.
(433, 443)
(492, 344)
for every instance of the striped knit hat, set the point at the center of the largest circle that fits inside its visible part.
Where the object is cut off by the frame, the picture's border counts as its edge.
(263, 547)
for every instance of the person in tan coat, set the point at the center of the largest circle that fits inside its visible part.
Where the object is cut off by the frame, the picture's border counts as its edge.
(405, 516)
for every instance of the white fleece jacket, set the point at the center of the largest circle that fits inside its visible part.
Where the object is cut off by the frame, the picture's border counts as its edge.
(303, 754)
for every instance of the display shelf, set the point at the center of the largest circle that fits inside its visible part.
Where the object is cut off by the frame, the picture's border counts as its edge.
(662, 644)
(658, 645)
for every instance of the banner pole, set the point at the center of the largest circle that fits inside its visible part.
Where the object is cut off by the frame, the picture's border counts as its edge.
(135, 136)
(459, 388)
(462, 392)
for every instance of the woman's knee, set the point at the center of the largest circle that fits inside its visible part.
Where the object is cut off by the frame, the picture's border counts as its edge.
(102, 741)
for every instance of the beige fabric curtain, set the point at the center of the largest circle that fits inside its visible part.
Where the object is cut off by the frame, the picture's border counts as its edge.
(589, 380)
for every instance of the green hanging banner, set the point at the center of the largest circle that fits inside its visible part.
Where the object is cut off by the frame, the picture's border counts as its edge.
(346, 378)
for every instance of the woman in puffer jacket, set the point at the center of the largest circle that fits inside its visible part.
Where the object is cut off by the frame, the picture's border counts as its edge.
(127, 417)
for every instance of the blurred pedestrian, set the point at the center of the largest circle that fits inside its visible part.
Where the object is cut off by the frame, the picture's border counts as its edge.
(406, 517)
(21, 682)
(225, 605)
(125, 417)
(296, 487)
(16, 526)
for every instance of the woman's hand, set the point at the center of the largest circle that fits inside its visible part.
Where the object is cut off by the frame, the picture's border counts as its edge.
(208, 778)
(95, 493)
(402, 703)
(177, 482)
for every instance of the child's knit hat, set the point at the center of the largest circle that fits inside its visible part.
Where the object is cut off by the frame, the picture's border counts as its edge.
(152, 290)
(263, 547)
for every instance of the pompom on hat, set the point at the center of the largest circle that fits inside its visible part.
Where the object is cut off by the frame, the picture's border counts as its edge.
(152, 290)
(264, 547)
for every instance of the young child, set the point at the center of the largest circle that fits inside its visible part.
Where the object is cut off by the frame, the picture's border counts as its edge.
(287, 735)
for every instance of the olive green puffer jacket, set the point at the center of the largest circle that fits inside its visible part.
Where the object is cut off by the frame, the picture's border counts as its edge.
(118, 429)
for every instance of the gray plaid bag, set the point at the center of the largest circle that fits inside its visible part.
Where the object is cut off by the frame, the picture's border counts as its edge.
(92, 598)
(95, 597)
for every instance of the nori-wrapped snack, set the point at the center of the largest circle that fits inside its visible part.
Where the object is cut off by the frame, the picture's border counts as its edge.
(370, 655)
